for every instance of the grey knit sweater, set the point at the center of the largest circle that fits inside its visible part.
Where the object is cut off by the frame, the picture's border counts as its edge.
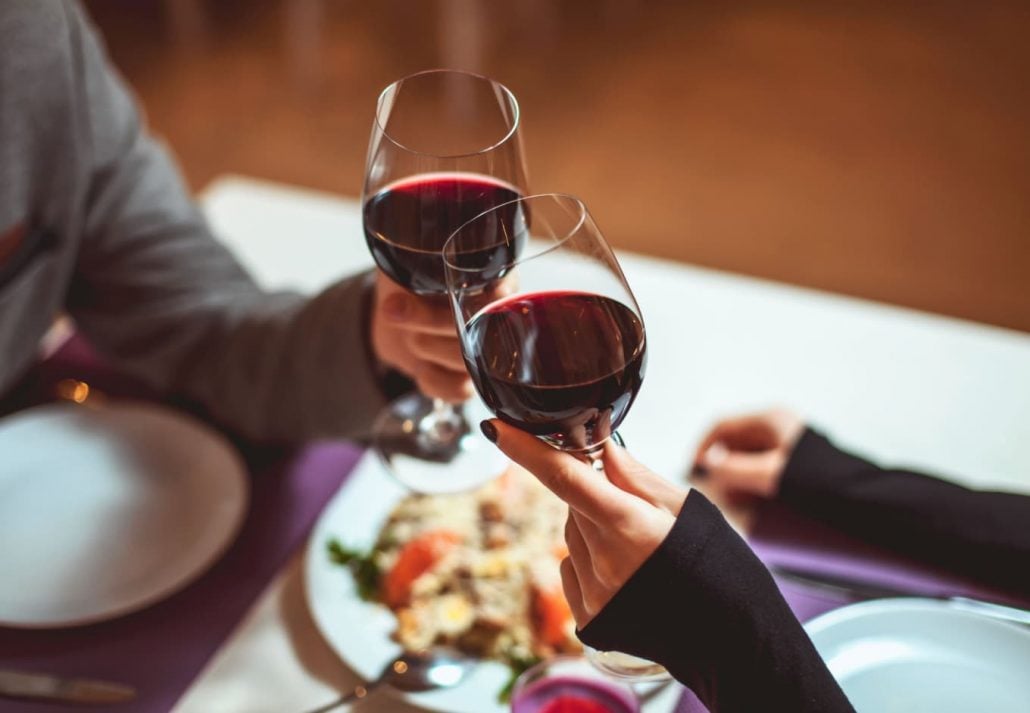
(95, 222)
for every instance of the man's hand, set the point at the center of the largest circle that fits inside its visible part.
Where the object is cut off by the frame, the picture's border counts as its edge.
(417, 336)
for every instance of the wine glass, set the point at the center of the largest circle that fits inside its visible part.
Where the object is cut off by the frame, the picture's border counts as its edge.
(445, 147)
(570, 683)
(556, 346)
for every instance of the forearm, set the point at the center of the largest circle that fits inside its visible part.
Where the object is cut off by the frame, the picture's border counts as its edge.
(704, 607)
(162, 298)
(271, 367)
(288, 369)
(981, 534)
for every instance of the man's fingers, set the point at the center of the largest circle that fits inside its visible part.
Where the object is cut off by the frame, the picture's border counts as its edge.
(441, 350)
(573, 481)
(439, 383)
(418, 314)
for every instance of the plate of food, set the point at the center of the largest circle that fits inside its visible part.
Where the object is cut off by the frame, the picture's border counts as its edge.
(388, 571)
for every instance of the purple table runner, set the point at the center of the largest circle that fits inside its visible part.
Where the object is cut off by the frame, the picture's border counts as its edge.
(163, 648)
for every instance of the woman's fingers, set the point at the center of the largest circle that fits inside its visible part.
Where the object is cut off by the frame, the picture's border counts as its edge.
(573, 481)
(578, 549)
(613, 525)
(589, 553)
(713, 436)
(748, 453)
(573, 592)
(630, 475)
(754, 473)
(774, 428)
(750, 432)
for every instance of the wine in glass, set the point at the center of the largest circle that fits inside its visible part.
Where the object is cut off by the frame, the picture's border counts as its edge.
(569, 684)
(445, 147)
(558, 347)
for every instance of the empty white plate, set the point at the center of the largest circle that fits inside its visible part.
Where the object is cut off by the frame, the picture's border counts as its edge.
(104, 510)
(923, 655)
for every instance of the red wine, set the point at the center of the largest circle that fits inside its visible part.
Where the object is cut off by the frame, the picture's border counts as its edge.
(565, 365)
(565, 694)
(408, 222)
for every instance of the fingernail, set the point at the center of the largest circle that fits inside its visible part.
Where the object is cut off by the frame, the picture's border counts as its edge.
(395, 306)
(714, 456)
(489, 430)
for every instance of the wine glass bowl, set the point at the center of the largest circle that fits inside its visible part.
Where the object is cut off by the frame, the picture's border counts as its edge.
(445, 147)
(556, 347)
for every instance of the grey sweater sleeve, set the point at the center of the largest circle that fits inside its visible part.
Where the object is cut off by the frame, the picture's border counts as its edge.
(156, 292)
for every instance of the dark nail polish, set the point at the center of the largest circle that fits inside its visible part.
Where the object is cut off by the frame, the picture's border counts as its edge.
(489, 430)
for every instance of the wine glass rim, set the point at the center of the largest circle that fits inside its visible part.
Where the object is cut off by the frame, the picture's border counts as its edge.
(516, 112)
(558, 242)
(568, 659)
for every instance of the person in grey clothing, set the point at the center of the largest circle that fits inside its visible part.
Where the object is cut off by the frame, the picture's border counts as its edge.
(95, 222)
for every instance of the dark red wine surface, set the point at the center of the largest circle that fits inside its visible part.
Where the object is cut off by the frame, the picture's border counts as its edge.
(408, 222)
(566, 365)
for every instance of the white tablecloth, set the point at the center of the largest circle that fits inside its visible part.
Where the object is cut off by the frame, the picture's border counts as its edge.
(906, 387)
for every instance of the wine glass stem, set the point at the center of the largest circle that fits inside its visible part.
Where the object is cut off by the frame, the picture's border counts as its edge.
(442, 423)
(595, 456)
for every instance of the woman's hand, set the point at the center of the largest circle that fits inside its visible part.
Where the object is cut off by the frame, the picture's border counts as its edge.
(747, 454)
(417, 336)
(614, 523)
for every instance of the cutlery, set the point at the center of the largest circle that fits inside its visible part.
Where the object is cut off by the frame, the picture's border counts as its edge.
(46, 687)
(439, 667)
(861, 589)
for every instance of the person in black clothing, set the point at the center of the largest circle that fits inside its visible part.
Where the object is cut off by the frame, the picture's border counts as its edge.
(981, 534)
(656, 571)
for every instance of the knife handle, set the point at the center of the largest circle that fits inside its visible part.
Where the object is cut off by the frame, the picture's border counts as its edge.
(45, 686)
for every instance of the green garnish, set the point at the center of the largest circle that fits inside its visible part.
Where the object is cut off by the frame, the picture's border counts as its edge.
(518, 666)
(362, 565)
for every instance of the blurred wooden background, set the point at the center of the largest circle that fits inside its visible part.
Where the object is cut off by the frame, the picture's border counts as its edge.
(877, 149)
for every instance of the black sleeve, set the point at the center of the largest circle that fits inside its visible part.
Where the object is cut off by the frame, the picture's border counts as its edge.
(705, 607)
(981, 534)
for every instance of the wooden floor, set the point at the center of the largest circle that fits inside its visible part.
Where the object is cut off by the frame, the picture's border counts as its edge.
(873, 149)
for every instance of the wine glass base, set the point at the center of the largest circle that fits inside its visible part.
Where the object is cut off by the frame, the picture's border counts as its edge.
(625, 666)
(430, 451)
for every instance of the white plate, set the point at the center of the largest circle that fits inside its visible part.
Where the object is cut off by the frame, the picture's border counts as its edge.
(106, 510)
(358, 631)
(922, 655)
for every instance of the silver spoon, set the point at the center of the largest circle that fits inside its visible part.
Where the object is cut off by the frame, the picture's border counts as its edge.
(439, 667)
